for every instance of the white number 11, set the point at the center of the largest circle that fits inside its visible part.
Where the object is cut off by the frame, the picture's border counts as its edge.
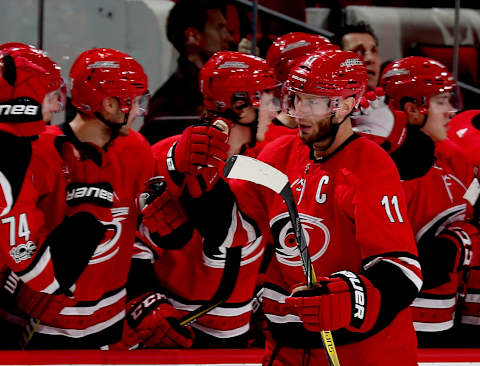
(394, 203)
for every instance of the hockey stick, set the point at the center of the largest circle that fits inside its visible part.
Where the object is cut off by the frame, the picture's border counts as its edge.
(224, 290)
(256, 171)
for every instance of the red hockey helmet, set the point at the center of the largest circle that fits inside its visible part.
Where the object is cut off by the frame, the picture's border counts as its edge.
(287, 50)
(333, 75)
(229, 74)
(102, 72)
(419, 78)
(28, 76)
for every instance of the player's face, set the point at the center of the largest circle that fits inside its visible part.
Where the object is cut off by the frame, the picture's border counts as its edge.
(53, 102)
(269, 105)
(216, 36)
(139, 109)
(244, 111)
(366, 47)
(313, 116)
(440, 111)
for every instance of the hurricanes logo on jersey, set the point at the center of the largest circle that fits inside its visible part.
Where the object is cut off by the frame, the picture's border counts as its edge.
(109, 247)
(284, 238)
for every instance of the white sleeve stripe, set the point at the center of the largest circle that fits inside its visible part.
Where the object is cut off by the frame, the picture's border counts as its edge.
(408, 273)
(273, 295)
(451, 215)
(90, 310)
(473, 298)
(434, 303)
(411, 261)
(79, 333)
(144, 252)
(38, 268)
(50, 289)
(432, 327)
(7, 194)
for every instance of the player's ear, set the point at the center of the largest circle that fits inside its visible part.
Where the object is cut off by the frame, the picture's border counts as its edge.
(414, 117)
(346, 106)
(192, 36)
(109, 105)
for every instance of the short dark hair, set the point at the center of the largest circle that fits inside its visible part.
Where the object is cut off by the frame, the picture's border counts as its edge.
(360, 27)
(186, 14)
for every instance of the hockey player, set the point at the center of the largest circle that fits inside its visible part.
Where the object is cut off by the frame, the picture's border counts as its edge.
(33, 254)
(429, 106)
(357, 208)
(109, 89)
(195, 240)
(282, 55)
(436, 207)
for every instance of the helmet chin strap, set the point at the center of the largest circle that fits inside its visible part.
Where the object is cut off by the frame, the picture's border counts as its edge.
(425, 117)
(113, 126)
(332, 133)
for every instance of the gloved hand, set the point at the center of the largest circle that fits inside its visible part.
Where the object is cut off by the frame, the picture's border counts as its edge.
(161, 212)
(344, 300)
(40, 305)
(200, 146)
(202, 182)
(153, 322)
(34, 304)
(465, 237)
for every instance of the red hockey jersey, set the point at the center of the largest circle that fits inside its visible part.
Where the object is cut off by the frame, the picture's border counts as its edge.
(435, 201)
(353, 211)
(189, 276)
(25, 184)
(95, 311)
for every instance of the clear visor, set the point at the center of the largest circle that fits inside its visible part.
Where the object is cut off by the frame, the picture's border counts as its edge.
(55, 101)
(446, 102)
(302, 105)
(140, 104)
(270, 99)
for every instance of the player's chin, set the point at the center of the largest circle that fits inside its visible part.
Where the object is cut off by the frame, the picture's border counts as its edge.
(306, 137)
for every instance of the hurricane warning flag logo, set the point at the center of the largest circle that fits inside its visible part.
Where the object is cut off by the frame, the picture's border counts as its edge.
(286, 245)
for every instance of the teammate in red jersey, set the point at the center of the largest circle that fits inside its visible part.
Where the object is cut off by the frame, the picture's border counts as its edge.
(188, 243)
(104, 172)
(284, 53)
(430, 98)
(434, 190)
(34, 255)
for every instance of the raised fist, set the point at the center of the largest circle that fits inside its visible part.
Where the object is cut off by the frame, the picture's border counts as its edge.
(161, 212)
(200, 146)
